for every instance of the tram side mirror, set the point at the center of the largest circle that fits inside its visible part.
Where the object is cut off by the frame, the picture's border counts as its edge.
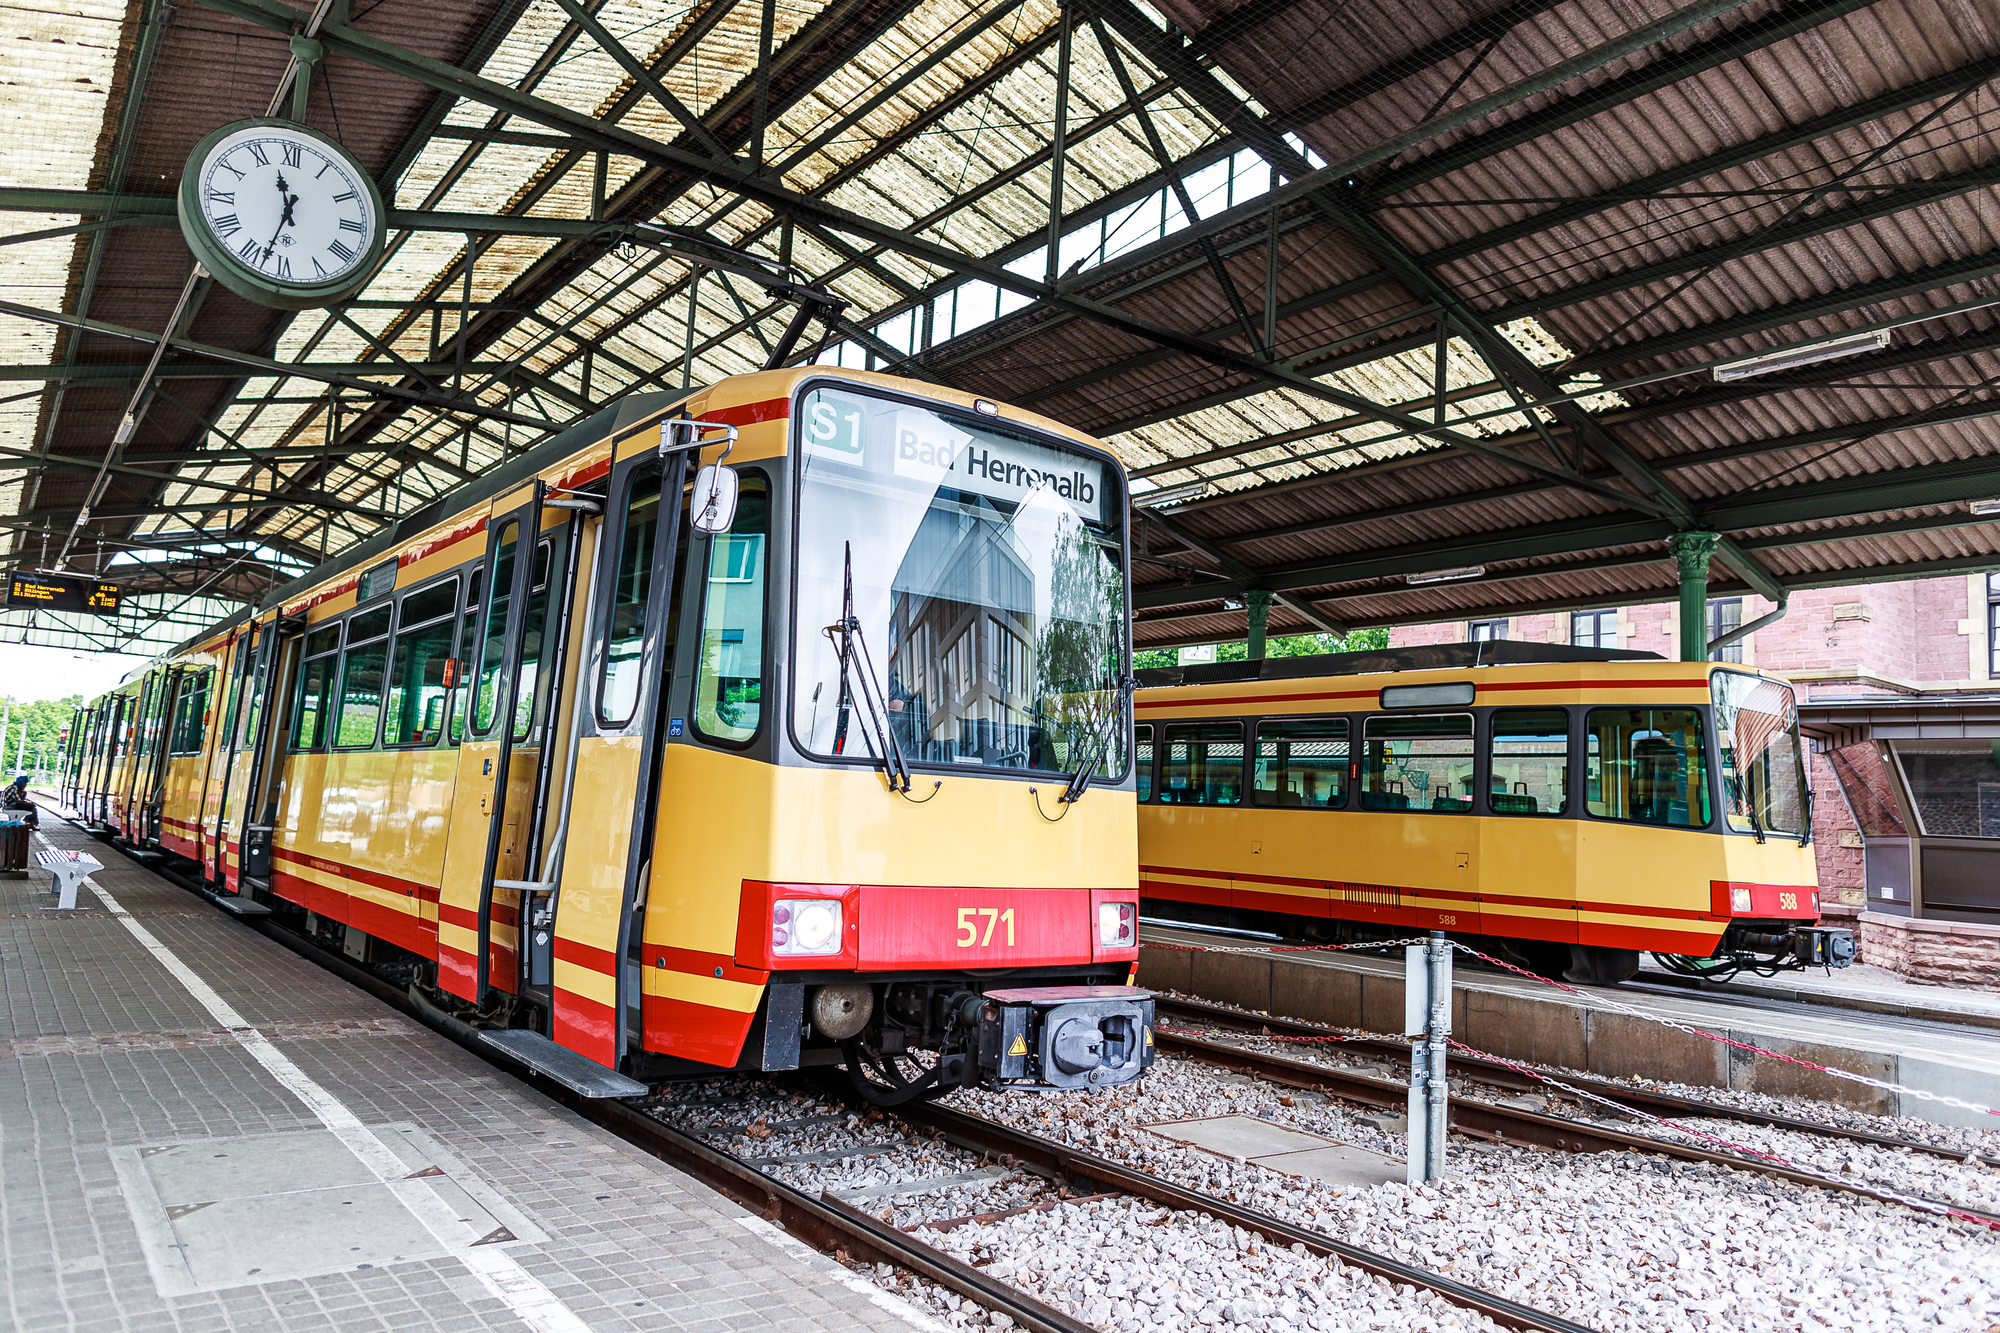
(713, 504)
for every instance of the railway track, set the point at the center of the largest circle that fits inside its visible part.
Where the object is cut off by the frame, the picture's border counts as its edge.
(837, 1226)
(1499, 1122)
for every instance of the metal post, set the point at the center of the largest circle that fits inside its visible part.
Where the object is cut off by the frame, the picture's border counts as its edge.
(1691, 552)
(1059, 148)
(1257, 603)
(1427, 1020)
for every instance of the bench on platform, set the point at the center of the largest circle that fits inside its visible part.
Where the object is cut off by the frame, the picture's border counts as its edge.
(69, 869)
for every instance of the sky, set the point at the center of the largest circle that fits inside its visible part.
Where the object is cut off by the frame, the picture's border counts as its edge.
(29, 673)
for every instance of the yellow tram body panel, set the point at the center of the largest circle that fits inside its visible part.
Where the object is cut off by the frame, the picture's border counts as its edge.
(1567, 878)
(419, 846)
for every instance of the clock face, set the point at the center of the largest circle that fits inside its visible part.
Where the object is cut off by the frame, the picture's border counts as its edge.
(281, 214)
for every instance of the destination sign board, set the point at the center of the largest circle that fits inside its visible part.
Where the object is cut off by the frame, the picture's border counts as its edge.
(62, 592)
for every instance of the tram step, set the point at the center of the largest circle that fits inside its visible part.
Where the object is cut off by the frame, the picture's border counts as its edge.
(578, 1073)
(241, 906)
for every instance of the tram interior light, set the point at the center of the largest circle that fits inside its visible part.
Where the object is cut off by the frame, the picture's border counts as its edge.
(805, 926)
(1116, 923)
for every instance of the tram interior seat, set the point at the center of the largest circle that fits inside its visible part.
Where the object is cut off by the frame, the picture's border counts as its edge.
(1384, 800)
(1513, 803)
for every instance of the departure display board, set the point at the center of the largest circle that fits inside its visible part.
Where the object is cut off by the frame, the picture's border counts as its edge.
(62, 592)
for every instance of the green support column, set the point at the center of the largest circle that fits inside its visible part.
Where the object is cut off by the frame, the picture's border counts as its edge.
(1691, 552)
(1257, 602)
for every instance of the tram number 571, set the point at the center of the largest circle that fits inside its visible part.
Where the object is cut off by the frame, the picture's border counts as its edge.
(968, 929)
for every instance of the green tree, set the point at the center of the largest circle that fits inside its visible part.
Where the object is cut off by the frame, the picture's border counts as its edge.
(1296, 645)
(43, 723)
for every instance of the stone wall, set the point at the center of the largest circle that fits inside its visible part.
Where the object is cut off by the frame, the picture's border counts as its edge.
(1932, 953)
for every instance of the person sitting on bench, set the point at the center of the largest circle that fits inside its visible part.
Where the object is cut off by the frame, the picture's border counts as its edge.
(15, 797)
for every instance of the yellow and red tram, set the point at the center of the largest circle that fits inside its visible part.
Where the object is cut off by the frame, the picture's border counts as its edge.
(776, 724)
(1568, 807)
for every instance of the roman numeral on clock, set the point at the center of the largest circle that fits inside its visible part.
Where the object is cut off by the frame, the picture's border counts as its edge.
(226, 226)
(249, 250)
(291, 151)
(343, 198)
(346, 255)
(284, 267)
(221, 198)
(318, 269)
(257, 151)
(349, 224)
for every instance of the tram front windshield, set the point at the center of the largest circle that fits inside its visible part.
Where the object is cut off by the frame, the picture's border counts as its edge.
(1763, 771)
(987, 578)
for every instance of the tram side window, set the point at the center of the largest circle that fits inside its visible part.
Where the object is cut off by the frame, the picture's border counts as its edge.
(1530, 762)
(361, 679)
(493, 646)
(1648, 765)
(191, 713)
(535, 641)
(316, 688)
(1142, 759)
(1204, 765)
(1302, 762)
(729, 686)
(1418, 763)
(468, 635)
(631, 590)
(416, 673)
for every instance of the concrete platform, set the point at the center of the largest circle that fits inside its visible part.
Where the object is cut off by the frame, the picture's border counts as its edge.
(1518, 1018)
(201, 1131)
(1291, 1151)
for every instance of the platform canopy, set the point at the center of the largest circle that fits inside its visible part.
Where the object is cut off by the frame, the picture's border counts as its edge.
(1359, 289)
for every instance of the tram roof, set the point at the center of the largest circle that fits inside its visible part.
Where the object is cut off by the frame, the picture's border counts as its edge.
(1593, 204)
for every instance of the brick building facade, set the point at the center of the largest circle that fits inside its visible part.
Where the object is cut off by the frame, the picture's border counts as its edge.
(1862, 658)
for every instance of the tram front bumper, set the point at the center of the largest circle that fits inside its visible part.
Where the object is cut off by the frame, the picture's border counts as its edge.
(1065, 1036)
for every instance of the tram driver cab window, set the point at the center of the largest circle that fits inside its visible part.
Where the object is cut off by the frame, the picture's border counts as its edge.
(1649, 765)
(1417, 763)
(1204, 765)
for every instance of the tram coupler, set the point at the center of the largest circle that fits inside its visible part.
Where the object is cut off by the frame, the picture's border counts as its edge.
(1065, 1036)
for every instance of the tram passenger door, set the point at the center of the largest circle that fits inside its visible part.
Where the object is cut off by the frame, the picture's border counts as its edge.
(479, 902)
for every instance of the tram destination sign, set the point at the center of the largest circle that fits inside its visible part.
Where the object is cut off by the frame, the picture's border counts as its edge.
(62, 592)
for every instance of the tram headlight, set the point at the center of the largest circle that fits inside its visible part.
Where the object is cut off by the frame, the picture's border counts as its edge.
(1739, 900)
(808, 926)
(1116, 923)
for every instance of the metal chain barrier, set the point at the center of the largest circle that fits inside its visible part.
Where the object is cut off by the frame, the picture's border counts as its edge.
(1617, 1006)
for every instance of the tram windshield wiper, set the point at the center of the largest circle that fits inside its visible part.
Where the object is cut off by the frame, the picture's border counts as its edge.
(847, 639)
(1079, 779)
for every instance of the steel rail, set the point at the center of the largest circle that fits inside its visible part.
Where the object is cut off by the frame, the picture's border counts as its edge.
(1491, 1071)
(982, 1135)
(831, 1224)
(1501, 1123)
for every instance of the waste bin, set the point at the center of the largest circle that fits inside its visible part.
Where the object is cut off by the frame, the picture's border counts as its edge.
(13, 844)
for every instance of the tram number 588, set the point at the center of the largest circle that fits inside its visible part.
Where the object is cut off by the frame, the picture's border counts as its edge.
(968, 929)
(1788, 902)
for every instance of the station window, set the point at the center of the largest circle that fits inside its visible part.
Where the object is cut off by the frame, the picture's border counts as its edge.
(1593, 629)
(1486, 631)
(1530, 757)
(1302, 762)
(1725, 614)
(1648, 765)
(416, 670)
(1993, 625)
(631, 592)
(1204, 765)
(361, 679)
(729, 682)
(316, 688)
(1142, 758)
(1418, 763)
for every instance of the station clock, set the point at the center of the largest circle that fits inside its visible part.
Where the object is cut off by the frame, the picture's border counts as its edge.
(281, 214)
